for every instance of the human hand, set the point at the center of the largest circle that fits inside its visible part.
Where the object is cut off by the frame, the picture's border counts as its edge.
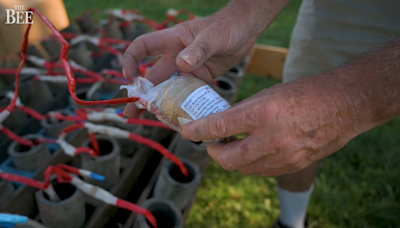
(203, 48)
(289, 127)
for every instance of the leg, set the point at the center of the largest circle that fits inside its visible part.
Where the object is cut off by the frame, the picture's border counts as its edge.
(294, 192)
(300, 181)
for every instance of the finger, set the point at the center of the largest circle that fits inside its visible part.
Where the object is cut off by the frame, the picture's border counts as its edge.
(146, 45)
(224, 154)
(195, 54)
(239, 153)
(161, 71)
(234, 154)
(131, 111)
(203, 73)
(236, 120)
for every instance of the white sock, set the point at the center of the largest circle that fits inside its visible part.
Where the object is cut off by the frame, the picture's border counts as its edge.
(293, 207)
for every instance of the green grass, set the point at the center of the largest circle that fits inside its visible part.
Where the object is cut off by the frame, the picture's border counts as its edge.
(359, 186)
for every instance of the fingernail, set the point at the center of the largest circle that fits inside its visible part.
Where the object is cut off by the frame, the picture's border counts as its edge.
(189, 60)
(124, 113)
(123, 72)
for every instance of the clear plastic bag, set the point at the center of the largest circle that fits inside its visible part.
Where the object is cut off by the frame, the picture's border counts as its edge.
(178, 100)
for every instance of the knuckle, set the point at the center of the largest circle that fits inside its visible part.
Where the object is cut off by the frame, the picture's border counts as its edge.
(270, 110)
(280, 143)
(258, 147)
(217, 127)
(294, 160)
(290, 161)
(253, 118)
(199, 50)
(184, 26)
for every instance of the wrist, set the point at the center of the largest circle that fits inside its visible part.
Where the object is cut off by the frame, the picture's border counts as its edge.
(336, 97)
(372, 83)
(253, 16)
(353, 109)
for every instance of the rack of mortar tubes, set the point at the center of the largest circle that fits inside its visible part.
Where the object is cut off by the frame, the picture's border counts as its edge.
(133, 170)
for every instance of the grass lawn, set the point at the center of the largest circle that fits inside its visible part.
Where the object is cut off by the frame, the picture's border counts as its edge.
(358, 186)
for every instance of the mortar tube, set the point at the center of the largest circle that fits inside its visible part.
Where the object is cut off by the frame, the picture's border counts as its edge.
(8, 79)
(6, 192)
(69, 212)
(226, 89)
(107, 164)
(54, 126)
(28, 158)
(86, 24)
(192, 152)
(173, 185)
(52, 47)
(108, 87)
(80, 54)
(245, 62)
(113, 30)
(165, 212)
(129, 31)
(32, 50)
(92, 47)
(236, 75)
(17, 118)
(71, 29)
(34, 93)
(116, 64)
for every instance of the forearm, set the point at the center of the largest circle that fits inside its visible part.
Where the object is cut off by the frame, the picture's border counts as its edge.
(254, 15)
(371, 86)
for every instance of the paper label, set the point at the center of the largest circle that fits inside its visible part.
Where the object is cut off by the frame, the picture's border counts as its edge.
(203, 102)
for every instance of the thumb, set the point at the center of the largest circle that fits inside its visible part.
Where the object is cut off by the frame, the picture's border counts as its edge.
(219, 125)
(194, 55)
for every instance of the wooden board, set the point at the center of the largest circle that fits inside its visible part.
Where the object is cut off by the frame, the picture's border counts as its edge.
(267, 61)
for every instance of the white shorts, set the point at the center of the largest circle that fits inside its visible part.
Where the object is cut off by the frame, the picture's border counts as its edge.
(329, 33)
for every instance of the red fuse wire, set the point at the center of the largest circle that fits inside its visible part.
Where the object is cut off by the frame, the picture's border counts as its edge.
(67, 67)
